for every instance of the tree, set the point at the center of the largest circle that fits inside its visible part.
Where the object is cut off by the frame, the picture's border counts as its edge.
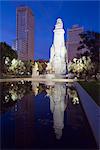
(81, 68)
(17, 67)
(28, 66)
(6, 52)
(91, 41)
(42, 67)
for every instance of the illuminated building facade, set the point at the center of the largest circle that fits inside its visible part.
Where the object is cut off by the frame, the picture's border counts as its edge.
(73, 41)
(14, 45)
(25, 33)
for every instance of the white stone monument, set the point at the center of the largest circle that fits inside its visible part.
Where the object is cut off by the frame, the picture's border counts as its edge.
(58, 52)
(35, 71)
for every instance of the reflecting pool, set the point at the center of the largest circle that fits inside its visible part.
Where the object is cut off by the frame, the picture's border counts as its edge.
(43, 115)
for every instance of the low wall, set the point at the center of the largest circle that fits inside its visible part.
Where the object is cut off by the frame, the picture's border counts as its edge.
(38, 79)
(91, 109)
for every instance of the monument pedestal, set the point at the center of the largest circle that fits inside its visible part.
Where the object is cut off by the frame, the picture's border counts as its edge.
(50, 76)
(57, 76)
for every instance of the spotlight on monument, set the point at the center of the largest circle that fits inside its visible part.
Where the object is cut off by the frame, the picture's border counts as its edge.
(58, 53)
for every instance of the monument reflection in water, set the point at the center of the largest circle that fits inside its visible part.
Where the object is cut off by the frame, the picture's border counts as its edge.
(58, 103)
(38, 115)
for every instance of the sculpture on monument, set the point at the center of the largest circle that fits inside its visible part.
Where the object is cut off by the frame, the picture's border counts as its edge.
(35, 69)
(58, 52)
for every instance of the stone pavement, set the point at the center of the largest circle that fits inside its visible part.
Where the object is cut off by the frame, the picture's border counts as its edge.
(38, 79)
(92, 110)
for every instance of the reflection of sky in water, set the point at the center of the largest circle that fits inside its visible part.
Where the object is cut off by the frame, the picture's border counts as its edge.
(38, 115)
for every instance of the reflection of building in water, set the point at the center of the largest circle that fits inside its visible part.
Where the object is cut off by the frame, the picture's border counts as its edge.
(57, 105)
(24, 118)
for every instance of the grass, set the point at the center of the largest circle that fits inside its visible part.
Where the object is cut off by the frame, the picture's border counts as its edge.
(92, 88)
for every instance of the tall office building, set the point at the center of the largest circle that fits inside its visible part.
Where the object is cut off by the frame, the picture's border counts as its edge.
(25, 33)
(14, 44)
(73, 41)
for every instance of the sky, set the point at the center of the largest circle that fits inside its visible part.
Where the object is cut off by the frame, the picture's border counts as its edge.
(84, 13)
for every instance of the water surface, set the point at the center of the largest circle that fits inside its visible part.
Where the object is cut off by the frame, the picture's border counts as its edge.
(38, 115)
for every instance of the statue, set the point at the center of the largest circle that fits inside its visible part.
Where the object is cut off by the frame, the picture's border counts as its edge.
(58, 52)
(59, 24)
(49, 68)
(35, 71)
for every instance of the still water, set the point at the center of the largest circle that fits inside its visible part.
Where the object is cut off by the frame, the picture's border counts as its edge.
(38, 115)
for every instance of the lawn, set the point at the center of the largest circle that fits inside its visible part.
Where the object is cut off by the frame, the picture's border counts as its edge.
(92, 87)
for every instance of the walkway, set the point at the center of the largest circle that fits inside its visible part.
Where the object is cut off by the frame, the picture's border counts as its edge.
(38, 79)
(91, 109)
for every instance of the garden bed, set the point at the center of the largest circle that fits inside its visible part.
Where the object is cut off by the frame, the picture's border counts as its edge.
(92, 88)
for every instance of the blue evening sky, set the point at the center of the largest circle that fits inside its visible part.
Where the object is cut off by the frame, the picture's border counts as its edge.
(84, 13)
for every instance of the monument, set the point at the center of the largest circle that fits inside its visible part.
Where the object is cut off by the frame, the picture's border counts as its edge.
(58, 53)
(35, 71)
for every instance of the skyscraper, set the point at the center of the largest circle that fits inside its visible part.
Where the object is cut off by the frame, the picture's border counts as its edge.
(25, 33)
(14, 44)
(73, 41)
